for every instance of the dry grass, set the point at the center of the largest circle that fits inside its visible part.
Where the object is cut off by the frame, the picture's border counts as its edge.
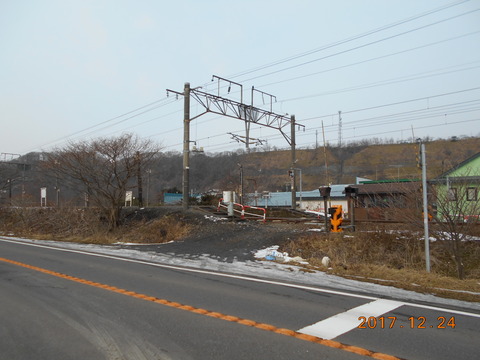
(55, 223)
(88, 226)
(391, 258)
(414, 280)
(165, 229)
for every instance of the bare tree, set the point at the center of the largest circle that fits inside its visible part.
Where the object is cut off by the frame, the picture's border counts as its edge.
(107, 168)
(454, 210)
(10, 178)
(456, 217)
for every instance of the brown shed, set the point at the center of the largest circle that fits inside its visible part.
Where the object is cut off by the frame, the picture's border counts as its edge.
(387, 200)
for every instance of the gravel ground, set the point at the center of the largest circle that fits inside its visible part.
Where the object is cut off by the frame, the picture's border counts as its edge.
(219, 238)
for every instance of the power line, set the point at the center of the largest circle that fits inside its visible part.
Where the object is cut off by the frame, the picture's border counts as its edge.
(422, 127)
(397, 103)
(367, 135)
(143, 122)
(387, 82)
(355, 37)
(69, 136)
(126, 119)
(363, 45)
(371, 59)
(397, 119)
(350, 127)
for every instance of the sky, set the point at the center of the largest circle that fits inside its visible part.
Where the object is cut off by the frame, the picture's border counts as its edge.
(349, 70)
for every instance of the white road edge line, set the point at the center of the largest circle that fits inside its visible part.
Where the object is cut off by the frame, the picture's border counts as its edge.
(344, 322)
(232, 276)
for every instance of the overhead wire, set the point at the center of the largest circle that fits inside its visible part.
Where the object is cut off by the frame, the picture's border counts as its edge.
(422, 127)
(363, 45)
(370, 59)
(397, 103)
(125, 119)
(347, 40)
(78, 132)
(389, 81)
(361, 36)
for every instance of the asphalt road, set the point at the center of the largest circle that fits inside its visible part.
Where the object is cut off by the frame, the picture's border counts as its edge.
(133, 310)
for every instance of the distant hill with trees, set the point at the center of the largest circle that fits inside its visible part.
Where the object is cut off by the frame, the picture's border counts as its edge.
(261, 170)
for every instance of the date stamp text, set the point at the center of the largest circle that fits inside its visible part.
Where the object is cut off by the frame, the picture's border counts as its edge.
(418, 322)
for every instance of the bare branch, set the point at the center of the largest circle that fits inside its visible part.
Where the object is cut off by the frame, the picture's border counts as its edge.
(105, 168)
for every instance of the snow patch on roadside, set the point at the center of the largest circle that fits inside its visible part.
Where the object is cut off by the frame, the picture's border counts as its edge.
(215, 218)
(271, 253)
(140, 244)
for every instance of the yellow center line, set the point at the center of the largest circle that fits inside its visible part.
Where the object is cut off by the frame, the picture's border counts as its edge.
(251, 323)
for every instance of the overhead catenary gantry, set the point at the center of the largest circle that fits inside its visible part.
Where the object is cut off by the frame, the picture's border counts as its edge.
(216, 104)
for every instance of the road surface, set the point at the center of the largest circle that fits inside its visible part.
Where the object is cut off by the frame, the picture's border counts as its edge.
(67, 304)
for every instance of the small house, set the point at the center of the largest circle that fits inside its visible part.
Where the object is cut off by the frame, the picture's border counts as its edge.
(457, 190)
(386, 200)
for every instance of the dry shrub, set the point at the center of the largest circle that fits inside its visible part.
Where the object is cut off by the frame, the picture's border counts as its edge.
(87, 225)
(443, 262)
(415, 280)
(395, 258)
(50, 222)
(378, 248)
(382, 248)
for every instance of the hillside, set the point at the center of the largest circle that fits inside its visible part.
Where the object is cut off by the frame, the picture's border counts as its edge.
(387, 161)
(261, 170)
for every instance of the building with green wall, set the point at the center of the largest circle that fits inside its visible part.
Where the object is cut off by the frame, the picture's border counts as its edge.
(457, 190)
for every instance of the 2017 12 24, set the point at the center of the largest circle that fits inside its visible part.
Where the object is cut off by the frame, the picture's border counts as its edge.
(419, 322)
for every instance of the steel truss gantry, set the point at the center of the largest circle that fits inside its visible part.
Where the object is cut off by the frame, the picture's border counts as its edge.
(250, 114)
(237, 110)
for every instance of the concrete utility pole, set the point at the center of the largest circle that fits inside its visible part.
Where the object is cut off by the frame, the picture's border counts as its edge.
(425, 208)
(294, 160)
(241, 182)
(186, 145)
(300, 185)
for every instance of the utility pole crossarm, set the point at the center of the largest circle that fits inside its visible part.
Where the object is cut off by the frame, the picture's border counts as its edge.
(174, 92)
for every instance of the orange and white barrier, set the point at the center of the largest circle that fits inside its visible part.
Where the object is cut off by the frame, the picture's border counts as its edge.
(241, 210)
